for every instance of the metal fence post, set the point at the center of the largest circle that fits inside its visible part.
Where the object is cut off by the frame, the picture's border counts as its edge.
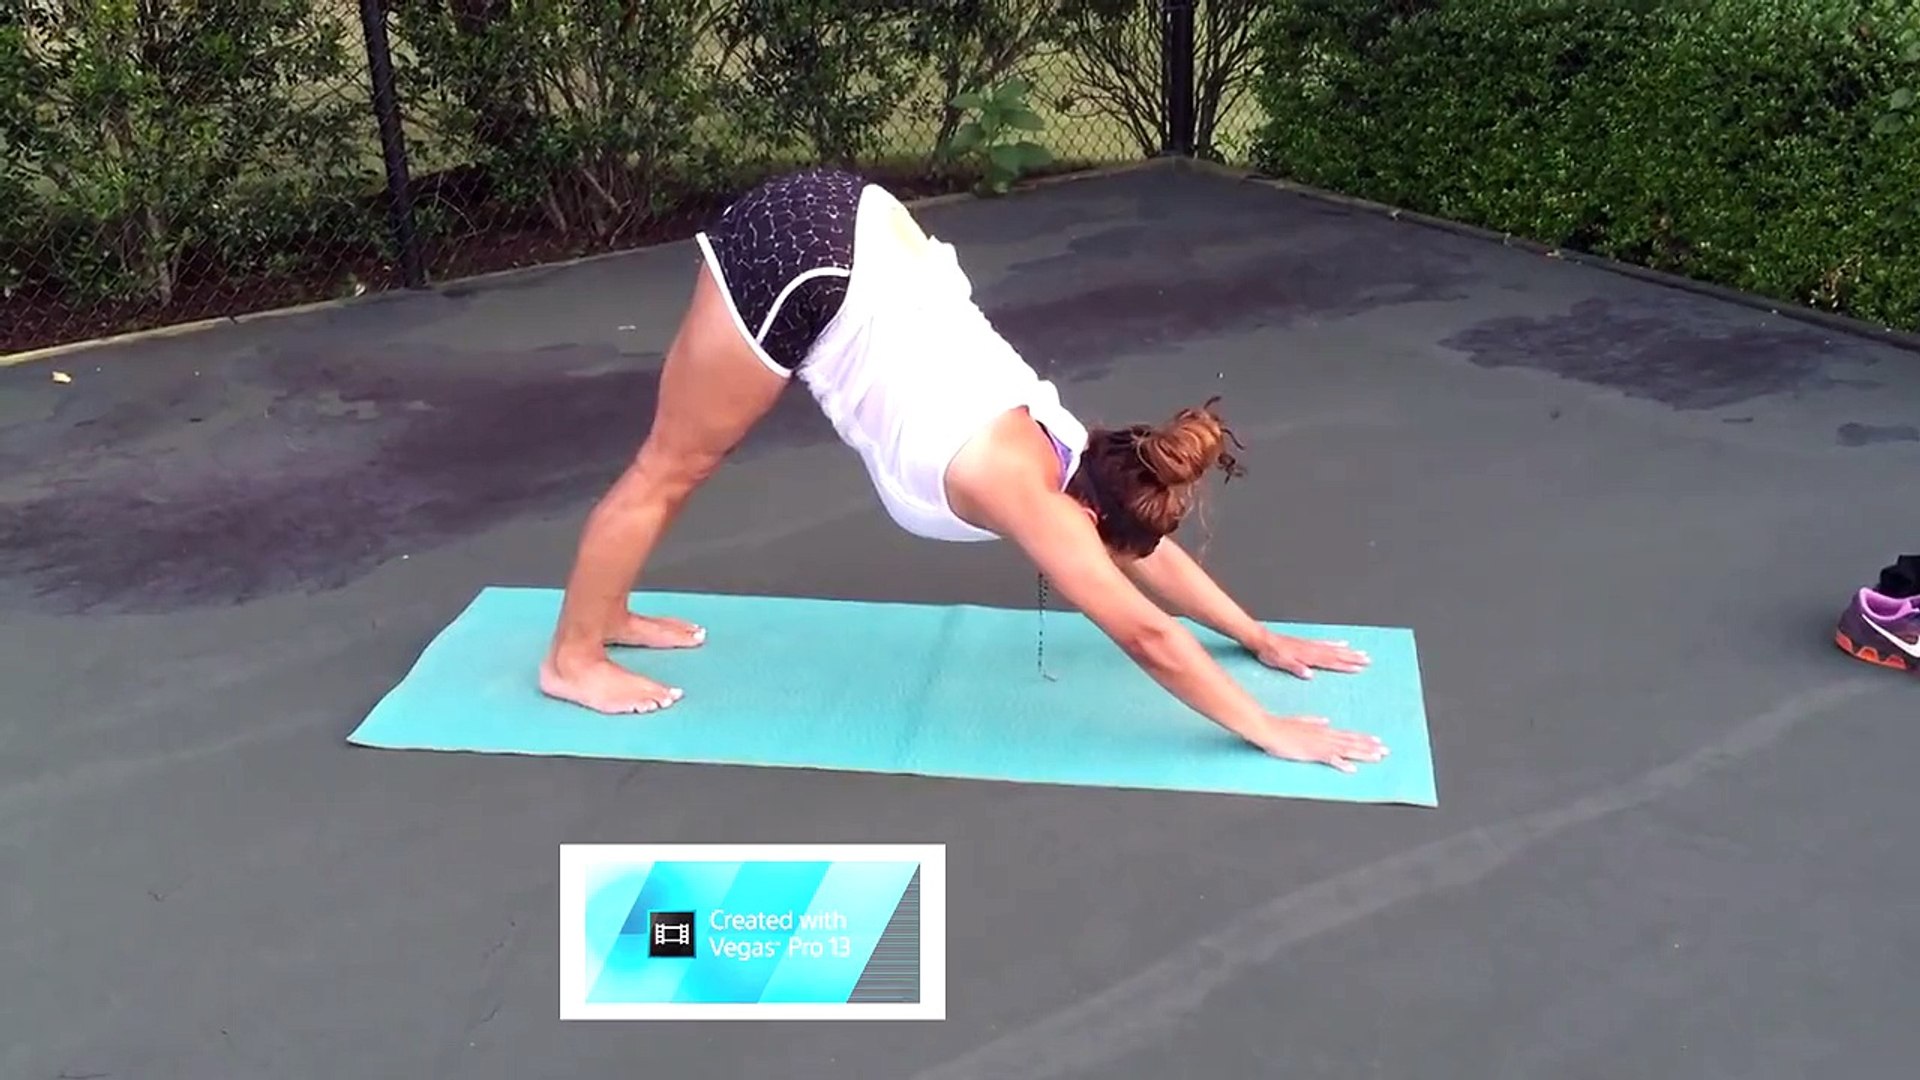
(393, 142)
(1176, 74)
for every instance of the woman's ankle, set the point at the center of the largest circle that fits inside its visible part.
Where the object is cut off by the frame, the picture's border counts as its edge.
(572, 652)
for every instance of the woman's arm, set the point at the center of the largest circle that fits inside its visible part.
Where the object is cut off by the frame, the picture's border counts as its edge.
(1061, 540)
(1181, 584)
(1064, 545)
(1184, 587)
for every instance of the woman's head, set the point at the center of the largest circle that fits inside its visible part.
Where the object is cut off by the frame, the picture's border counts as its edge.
(1141, 481)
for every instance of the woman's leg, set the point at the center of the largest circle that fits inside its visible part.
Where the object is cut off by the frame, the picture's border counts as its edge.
(713, 389)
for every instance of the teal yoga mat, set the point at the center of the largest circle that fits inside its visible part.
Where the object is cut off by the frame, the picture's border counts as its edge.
(904, 688)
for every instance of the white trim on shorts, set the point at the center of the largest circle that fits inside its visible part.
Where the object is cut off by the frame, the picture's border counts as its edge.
(712, 259)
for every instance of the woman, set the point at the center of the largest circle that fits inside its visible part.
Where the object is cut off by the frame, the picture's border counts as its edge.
(825, 277)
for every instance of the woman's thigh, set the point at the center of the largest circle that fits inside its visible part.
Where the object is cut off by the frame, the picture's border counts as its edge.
(713, 388)
(774, 273)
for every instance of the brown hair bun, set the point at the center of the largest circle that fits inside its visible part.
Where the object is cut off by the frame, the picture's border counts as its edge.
(1141, 481)
(1181, 451)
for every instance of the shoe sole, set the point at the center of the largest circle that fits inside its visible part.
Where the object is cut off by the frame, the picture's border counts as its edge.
(1871, 655)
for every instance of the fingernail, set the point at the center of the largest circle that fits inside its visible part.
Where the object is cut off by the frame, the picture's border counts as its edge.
(699, 634)
(675, 693)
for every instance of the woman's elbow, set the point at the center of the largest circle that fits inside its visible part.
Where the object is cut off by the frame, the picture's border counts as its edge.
(1154, 644)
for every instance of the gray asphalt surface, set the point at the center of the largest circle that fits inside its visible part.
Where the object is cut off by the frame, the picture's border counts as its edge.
(1673, 834)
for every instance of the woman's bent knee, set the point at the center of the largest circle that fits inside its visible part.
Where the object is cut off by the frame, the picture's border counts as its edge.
(673, 473)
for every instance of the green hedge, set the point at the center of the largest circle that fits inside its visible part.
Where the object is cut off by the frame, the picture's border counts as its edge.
(1768, 145)
(207, 157)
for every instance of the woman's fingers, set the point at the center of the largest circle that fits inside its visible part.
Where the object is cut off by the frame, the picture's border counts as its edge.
(1347, 749)
(1300, 657)
(1326, 655)
(1312, 739)
(1364, 748)
(1292, 665)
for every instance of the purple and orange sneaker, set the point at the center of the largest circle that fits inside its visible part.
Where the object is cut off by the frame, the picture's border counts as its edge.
(1881, 630)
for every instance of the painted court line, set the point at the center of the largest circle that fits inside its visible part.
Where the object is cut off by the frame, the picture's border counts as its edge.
(1137, 1011)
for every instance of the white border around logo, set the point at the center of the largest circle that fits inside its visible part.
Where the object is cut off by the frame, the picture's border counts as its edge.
(575, 859)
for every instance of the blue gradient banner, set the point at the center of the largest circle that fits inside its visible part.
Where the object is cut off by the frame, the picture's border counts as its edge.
(748, 931)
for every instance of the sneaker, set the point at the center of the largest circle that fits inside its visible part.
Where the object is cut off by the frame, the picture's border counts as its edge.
(1881, 630)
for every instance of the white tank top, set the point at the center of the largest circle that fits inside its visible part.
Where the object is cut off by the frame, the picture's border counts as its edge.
(910, 370)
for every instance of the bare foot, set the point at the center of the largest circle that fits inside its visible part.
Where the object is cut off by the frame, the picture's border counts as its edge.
(603, 686)
(655, 632)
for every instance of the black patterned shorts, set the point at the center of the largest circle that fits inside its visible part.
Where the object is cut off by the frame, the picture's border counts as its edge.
(783, 254)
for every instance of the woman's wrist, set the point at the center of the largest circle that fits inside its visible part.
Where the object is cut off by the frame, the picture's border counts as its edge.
(1253, 637)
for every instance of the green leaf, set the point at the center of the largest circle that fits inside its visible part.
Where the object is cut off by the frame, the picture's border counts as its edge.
(1911, 54)
(1007, 157)
(1890, 124)
(1902, 98)
(966, 138)
(1032, 155)
(1013, 90)
(1019, 158)
(1021, 118)
(969, 100)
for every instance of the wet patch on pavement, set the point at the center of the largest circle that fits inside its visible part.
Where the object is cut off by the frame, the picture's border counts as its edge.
(334, 466)
(1140, 288)
(1676, 350)
(1856, 434)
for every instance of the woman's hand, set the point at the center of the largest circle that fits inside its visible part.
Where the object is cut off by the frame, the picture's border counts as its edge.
(1309, 739)
(1300, 656)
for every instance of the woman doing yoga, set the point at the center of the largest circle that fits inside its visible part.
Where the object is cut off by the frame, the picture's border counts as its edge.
(826, 277)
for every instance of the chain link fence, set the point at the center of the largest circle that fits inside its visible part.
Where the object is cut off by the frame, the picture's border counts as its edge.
(166, 162)
(162, 163)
